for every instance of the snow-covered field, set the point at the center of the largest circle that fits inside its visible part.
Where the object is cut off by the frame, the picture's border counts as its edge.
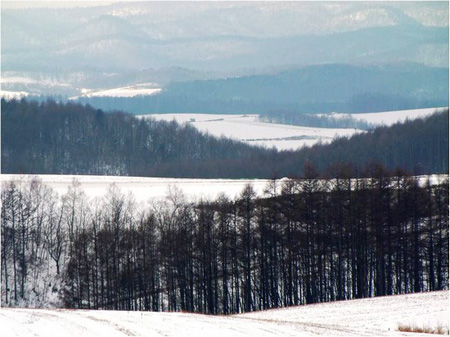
(380, 316)
(146, 189)
(389, 117)
(129, 91)
(249, 129)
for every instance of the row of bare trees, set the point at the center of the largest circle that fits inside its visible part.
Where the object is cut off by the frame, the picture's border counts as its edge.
(37, 231)
(308, 240)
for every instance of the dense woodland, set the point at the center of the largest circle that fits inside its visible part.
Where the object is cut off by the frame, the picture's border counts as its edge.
(74, 139)
(305, 241)
(49, 137)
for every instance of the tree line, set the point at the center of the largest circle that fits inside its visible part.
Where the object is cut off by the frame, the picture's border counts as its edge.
(56, 138)
(291, 117)
(304, 241)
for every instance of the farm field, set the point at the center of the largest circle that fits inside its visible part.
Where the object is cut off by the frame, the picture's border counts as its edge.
(249, 129)
(379, 316)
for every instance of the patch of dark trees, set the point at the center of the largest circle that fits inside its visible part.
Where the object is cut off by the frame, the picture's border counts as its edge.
(56, 138)
(421, 146)
(70, 138)
(305, 241)
(314, 120)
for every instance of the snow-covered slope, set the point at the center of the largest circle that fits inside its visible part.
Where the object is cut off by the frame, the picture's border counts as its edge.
(144, 89)
(249, 129)
(379, 316)
(390, 117)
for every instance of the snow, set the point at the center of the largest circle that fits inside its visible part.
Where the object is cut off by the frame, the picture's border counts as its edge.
(380, 316)
(130, 91)
(28, 83)
(17, 80)
(148, 189)
(13, 94)
(249, 129)
(390, 117)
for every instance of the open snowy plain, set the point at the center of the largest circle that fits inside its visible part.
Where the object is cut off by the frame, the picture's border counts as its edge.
(380, 316)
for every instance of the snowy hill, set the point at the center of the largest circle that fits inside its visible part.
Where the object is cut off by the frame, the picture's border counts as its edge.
(129, 91)
(249, 129)
(381, 316)
(254, 131)
(390, 117)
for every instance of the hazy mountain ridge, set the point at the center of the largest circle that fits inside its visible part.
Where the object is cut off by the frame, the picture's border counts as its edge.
(312, 89)
(116, 41)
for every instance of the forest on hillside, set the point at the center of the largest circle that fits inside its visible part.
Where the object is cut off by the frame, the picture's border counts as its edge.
(310, 89)
(306, 240)
(70, 138)
(57, 138)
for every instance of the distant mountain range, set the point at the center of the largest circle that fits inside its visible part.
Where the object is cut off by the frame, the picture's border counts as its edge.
(59, 51)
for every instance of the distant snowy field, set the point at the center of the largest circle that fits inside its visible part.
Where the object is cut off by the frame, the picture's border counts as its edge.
(249, 129)
(143, 89)
(140, 89)
(380, 316)
(390, 117)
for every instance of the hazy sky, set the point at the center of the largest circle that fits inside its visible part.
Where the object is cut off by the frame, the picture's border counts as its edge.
(69, 3)
(196, 34)
(52, 4)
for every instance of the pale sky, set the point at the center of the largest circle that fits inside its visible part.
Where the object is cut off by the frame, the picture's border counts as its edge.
(17, 4)
(53, 4)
